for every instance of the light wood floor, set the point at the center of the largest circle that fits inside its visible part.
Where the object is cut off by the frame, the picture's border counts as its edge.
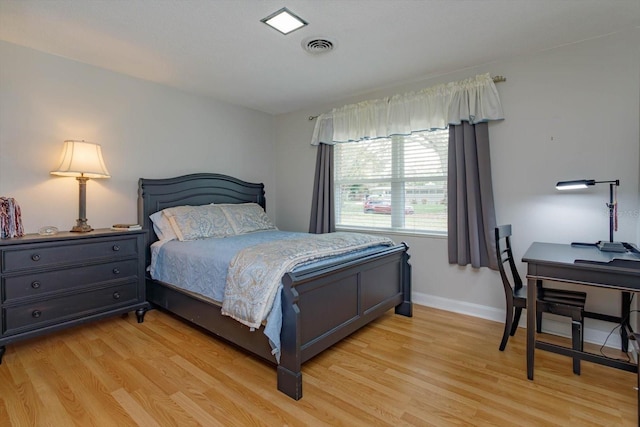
(435, 369)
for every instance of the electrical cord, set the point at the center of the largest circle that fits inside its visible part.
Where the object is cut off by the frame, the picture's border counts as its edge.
(622, 322)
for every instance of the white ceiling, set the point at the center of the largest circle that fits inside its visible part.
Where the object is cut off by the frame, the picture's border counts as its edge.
(220, 48)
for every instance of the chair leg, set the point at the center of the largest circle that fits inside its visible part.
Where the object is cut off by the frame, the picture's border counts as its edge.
(516, 320)
(576, 337)
(507, 327)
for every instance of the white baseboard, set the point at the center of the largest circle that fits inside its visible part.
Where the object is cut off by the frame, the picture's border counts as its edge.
(595, 331)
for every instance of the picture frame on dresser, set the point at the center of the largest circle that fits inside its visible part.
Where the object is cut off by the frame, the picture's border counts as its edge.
(52, 282)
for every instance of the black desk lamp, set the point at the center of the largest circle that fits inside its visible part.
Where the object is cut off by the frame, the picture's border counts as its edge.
(609, 246)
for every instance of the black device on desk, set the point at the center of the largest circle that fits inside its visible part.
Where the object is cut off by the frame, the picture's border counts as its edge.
(611, 246)
(616, 262)
(620, 247)
(630, 256)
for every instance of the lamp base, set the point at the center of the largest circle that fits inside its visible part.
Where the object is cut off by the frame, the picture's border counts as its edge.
(81, 227)
(611, 247)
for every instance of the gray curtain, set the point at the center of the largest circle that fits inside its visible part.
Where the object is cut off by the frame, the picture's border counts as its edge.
(323, 219)
(471, 210)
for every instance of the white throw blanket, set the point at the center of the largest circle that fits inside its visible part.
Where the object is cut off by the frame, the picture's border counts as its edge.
(255, 273)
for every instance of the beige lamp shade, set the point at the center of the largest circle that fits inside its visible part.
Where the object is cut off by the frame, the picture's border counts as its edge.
(80, 158)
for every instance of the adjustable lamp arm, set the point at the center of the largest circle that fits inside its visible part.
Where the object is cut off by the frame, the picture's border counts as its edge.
(584, 183)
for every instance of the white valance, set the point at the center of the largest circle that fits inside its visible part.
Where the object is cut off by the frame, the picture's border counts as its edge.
(473, 100)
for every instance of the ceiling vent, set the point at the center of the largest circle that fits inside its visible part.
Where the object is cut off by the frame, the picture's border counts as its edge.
(317, 45)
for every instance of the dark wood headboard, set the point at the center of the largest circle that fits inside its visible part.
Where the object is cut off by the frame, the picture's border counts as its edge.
(195, 189)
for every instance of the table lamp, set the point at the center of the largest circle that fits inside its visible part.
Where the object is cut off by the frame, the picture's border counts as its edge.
(609, 246)
(82, 160)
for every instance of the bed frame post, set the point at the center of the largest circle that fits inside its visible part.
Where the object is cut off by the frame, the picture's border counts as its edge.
(405, 308)
(290, 367)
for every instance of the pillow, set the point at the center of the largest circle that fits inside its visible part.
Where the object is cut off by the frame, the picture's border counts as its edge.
(198, 222)
(247, 217)
(162, 226)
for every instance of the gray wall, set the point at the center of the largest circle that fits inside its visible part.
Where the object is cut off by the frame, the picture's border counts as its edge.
(145, 129)
(571, 113)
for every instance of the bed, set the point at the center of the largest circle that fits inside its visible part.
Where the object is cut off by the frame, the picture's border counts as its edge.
(358, 288)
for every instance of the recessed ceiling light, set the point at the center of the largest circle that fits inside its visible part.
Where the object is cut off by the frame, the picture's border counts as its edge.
(284, 21)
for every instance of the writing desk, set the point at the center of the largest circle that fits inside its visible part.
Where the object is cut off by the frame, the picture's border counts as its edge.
(582, 265)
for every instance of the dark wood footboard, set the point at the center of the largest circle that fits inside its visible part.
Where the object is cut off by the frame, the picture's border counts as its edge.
(322, 306)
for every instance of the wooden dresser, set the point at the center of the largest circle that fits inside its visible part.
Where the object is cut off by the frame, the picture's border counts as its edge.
(48, 283)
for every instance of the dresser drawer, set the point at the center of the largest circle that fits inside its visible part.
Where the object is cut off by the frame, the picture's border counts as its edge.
(25, 317)
(47, 282)
(66, 253)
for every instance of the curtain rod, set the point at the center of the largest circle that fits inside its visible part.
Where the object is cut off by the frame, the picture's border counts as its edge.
(496, 79)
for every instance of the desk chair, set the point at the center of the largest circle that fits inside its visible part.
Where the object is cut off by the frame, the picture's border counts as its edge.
(557, 301)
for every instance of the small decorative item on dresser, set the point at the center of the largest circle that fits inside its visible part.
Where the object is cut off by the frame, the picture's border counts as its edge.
(126, 227)
(48, 230)
(10, 218)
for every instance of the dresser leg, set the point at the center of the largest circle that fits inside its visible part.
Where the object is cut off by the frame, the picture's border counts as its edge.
(140, 314)
(2, 350)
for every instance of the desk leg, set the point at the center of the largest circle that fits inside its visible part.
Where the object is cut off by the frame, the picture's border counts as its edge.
(626, 322)
(531, 325)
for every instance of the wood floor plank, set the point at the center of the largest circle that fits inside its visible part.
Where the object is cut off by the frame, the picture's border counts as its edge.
(135, 411)
(195, 411)
(54, 396)
(364, 411)
(95, 398)
(435, 369)
(164, 410)
(222, 395)
(24, 399)
(124, 374)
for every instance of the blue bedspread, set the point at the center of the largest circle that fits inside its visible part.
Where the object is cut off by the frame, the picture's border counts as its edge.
(201, 266)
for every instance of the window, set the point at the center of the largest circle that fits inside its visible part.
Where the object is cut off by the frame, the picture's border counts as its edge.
(397, 183)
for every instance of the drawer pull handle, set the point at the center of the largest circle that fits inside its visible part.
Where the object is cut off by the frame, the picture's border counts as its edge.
(116, 271)
(35, 285)
(36, 313)
(116, 295)
(116, 248)
(35, 257)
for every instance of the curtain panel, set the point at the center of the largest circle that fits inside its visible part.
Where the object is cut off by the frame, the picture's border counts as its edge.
(323, 218)
(471, 214)
(473, 100)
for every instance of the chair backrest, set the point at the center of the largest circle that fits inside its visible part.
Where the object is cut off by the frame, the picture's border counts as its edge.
(505, 255)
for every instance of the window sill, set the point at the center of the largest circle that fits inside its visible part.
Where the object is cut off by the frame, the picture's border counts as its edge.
(386, 232)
